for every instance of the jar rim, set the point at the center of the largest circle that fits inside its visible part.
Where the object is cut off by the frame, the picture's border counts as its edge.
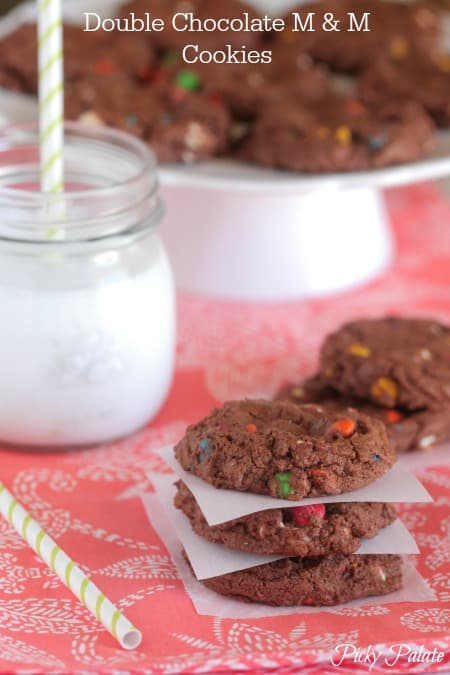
(112, 189)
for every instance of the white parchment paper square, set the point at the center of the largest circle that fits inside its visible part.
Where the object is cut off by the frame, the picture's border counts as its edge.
(218, 506)
(212, 560)
(208, 603)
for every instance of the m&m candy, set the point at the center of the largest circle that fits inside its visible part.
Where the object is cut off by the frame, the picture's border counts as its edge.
(346, 427)
(303, 515)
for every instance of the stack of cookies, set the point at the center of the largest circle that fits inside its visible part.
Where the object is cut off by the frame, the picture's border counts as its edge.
(394, 369)
(292, 452)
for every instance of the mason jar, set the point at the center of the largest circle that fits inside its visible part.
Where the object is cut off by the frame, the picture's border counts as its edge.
(87, 300)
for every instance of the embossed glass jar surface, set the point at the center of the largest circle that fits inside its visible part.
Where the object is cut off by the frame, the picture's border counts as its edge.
(87, 300)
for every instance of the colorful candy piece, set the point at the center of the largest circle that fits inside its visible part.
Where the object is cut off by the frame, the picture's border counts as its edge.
(384, 387)
(399, 48)
(216, 99)
(188, 80)
(283, 487)
(443, 62)
(324, 480)
(303, 514)
(206, 450)
(343, 135)
(104, 66)
(165, 118)
(131, 120)
(178, 94)
(320, 473)
(252, 428)
(393, 416)
(355, 108)
(377, 142)
(346, 427)
(359, 350)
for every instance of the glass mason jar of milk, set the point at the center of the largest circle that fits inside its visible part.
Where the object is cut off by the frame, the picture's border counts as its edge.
(87, 301)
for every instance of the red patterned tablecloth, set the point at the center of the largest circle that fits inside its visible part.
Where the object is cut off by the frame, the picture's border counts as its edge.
(89, 501)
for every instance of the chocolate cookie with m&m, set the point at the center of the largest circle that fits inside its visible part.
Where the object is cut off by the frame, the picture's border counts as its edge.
(393, 362)
(318, 581)
(407, 429)
(394, 29)
(338, 133)
(179, 125)
(424, 79)
(285, 450)
(318, 529)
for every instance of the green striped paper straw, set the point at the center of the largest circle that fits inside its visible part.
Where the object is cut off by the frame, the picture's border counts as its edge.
(51, 94)
(51, 110)
(67, 570)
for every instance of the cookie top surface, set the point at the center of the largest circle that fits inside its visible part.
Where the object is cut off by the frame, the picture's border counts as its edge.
(305, 530)
(407, 430)
(284, 450)
(396, 30)
(246, 87)
(422, 79)
(391, 362)
(338, 133)
(320, 581)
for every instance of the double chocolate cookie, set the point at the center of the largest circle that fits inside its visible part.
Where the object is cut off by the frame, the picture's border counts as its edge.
(315, 530)
(337, 133)
(392, 362)
(394, 29)
(325, 581)
(285, 450)
(179, 126)
(407, 429)
(424, 79)
(245, 88)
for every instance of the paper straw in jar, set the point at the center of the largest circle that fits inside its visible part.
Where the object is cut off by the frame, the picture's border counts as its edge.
(67, 570)
(51, 94)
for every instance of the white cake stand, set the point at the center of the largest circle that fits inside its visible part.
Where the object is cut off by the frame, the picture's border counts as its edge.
(242, 232)
(247, 233)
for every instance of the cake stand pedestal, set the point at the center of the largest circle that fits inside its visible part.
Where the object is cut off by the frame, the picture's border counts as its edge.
(246, 233)
(257, 246)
